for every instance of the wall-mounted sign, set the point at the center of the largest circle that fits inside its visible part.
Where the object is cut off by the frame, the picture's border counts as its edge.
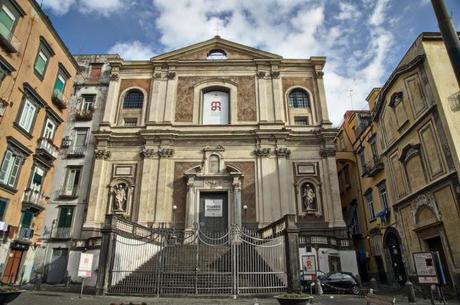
(309, 264)
(215, 107)
(85, 266)
(425, 267)
(213, 207)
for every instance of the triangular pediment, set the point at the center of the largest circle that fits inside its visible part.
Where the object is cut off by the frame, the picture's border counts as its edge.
(200, 51)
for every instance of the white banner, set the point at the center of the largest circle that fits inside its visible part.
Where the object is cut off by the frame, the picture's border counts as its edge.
(309, 264)
(85, 266)
(215, 108)
(213, 207)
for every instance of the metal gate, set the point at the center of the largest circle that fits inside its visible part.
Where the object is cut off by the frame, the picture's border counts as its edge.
(166, 261)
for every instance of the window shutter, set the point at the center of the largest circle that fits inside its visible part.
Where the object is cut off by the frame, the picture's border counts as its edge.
(7, 19)
(6, 166)
(14, 171)
(70, 181)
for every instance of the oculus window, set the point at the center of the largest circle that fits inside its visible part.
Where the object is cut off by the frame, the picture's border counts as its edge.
(217, 55)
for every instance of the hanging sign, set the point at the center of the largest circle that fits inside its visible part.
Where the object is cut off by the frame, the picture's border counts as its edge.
(213, 207)
(85, 266)
(215, 107)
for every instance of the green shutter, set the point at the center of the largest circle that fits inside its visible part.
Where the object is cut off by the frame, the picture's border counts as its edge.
(65, 217)
(27, 219)
(59, 85)
(5, 166)
(6, 22)
(3, 204)
(40, 63)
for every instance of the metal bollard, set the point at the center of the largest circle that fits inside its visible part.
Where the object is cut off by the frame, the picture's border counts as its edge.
(410, 292)
(319, 289)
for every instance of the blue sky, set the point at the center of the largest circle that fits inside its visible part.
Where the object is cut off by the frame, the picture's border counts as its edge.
(363, 40)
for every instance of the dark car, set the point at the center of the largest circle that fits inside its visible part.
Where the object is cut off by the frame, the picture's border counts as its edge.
(340, 282)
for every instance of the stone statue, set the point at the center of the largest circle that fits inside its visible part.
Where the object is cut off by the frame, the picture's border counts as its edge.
(119, 202)
(308, 198)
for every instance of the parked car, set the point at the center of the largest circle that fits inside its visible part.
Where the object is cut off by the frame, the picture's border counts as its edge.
(340, 282)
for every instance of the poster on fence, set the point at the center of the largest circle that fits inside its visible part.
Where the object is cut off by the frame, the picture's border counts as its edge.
(85, 266)
(425, 268)
(309, 264)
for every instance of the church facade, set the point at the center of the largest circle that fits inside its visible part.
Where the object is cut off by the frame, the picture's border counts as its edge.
(219, 134)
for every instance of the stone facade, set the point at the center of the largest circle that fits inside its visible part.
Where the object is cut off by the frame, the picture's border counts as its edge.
(259, 161)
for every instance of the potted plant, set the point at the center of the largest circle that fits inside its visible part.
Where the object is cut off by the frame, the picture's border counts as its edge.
(8, 294)
(294, 299)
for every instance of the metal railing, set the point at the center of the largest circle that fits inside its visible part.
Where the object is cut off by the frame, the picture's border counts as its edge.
(84, 115)
(373, 166)
(35, 197)
(61, 233)
(76, 151)
(59, 99)
(25, 233)
(8, 40)
(48, 146)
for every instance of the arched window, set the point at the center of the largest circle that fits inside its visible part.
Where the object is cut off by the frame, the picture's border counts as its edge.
(133, 99)
(299, 98)
(215, 107)
(216, 54)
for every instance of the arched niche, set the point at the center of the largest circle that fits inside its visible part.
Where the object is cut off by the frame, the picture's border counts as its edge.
(121, 192)
(308, 195)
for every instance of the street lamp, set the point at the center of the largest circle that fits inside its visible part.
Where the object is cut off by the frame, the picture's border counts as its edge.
(174, 208)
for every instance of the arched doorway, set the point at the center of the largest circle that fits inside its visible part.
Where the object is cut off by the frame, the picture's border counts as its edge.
(393, 245)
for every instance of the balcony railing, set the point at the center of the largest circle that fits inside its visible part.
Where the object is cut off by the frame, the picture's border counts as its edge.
(61, 233)
(373, 167)
(25, 234)
(84, 115)
(65, 193)
(59, 99)
(76, 151)
(8, 41)
(35, 198)
(48, 147)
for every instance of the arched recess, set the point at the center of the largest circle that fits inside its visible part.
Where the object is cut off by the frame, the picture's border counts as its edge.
(219, 85)
(308, 112)
(121, 192)
(393, 249)
(308, 196)
(139, 114)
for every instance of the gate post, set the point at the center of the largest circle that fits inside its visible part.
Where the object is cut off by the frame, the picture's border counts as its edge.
(291, 244)
(105, 256)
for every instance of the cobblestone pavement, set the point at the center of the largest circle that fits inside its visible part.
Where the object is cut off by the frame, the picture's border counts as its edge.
(65, 298)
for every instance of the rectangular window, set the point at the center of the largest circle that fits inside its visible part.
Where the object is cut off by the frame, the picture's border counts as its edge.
(383, 194)
(3, 205)
(40, 63)
(80, 137)
(72, 180)
(50, 127)
(26, 220)
(370, 205)
(88, 102)
(59, 85)
(7, 21)
(65, 217)
(130, 122)
(301, 121)
(362, 160)
(27, 115)
(373, 144)
(95, 73)
(10, 168)
(37, 179)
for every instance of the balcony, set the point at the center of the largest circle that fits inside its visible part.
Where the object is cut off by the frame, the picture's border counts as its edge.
(34, 199)
(61, 233)
(84, 115)
(76, 151)
(25, 234)
(373, 167)
(47, 149)
(8, 41)
(68, 194)
(59, 99)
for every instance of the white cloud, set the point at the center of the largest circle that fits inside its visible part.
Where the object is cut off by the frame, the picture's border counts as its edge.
(134, 50)
(58, 7)
(348, 11)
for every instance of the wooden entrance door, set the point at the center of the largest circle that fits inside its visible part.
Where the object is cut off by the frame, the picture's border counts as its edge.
(12, 267)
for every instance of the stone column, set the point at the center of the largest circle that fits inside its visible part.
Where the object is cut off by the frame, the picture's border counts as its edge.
(291, 244)
(237, 201)
(111, 102)
(322, 113)
(170, 97)
(148, 185)
(282, 153)
(278, 100)
(105, 258)
(262, 95)
(190, 209)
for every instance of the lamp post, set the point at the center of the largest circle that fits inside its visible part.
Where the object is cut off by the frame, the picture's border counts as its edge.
(174, 208)
(245, 208)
